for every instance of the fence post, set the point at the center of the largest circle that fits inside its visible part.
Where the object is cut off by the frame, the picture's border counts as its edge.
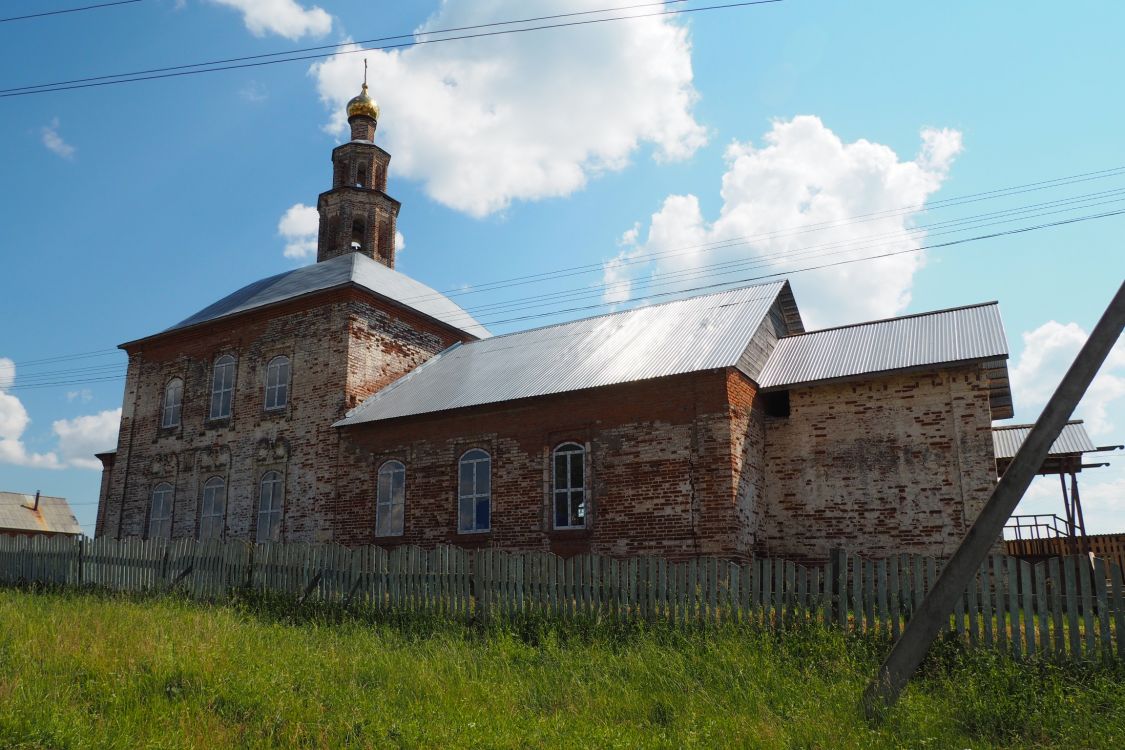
(837, 565)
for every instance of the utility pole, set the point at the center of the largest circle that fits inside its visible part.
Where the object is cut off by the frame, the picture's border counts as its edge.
(933, 615)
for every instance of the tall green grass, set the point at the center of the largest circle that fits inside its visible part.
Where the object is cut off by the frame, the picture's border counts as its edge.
(84, 670)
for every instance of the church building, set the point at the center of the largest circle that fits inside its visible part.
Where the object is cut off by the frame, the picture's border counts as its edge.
(346, 402)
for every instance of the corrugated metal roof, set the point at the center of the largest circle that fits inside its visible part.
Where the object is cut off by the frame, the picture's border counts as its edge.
(353, 268)
(961, 334)
(1007, 439)
(54, 514)
(700, 333)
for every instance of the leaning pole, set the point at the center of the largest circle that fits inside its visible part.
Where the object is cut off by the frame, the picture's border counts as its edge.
(933, 614)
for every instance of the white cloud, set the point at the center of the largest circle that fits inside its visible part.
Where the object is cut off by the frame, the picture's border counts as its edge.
(803, 175)
(285, 18)
(253, 92)
(83, 395)
(299, 227)
(13, 421)
(1048, 352)
(80, 438)
(400, 242)
(54, 142)
(486, 122)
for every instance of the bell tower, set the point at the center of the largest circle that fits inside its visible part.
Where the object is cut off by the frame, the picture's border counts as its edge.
(357, 215)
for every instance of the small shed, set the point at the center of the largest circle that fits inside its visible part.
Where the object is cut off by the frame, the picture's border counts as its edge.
(35, 515)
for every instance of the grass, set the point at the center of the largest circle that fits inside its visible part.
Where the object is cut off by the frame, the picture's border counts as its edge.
(87, 670)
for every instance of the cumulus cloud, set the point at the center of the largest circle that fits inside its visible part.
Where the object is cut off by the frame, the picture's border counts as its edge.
(523, 117)
(804, 175)
(1048, 352)
(285, 18)
(400, 242)
(80, 438)
(13, 422)
(299, 226)
(54, 142)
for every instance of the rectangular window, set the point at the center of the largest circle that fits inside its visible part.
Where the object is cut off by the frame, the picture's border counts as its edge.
(222, 388)
(277, 383)
(474, 492)
(213, 512)
(160, 516)
(271, 495)
(390, 500)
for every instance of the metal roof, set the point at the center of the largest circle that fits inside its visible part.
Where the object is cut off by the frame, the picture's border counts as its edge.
(353, 268)
(973, 333)
(53, 516)
(1073, 439)
(700, 333)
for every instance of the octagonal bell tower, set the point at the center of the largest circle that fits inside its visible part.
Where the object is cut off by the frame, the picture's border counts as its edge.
(357, 215)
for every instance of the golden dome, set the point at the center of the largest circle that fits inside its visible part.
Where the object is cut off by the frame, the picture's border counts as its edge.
(363, 105)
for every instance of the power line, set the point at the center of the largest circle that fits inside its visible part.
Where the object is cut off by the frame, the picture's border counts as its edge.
(718, 244)
(750, 279)
(66, 10)
(47, 88)
(341, 45)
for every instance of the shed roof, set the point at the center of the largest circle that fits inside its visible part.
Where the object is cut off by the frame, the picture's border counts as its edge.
(53, 516)
(1073, 440)
(350, 269)
(961, 334)
(689, 335)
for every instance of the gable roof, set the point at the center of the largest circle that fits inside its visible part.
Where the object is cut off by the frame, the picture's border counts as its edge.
(960, 334)
(53, 516)
(350, 269)
(672, 338)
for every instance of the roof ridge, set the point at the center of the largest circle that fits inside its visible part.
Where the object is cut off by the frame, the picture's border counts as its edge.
(894, 318)
(631, 309)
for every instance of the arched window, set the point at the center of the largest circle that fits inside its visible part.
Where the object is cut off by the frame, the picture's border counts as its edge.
(390, 500)
(277, 383)
(474, 491)
(160, 515)
(173, 402)
(271, 497)
(569, 485)
(214, 508)
(222, 387)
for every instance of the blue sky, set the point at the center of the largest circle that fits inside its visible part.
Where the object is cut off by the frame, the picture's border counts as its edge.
(622, 147)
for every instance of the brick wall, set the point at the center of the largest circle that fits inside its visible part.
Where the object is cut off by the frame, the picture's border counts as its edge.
(892, 464)
(328, 339)
(659, 470)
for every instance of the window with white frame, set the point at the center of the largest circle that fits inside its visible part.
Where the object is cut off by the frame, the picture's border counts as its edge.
(277, 383)
(569, 486)
(173, 403)
(474, 492)
(213, 512)
(160, 514)
(222, 387)
(390, 500)
(271, 497)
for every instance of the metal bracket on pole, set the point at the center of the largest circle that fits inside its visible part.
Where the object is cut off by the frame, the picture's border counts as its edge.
(933, 615)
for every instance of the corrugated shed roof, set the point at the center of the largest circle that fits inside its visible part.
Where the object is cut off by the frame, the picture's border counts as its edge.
(353, 268)
(961, 334)
(54, 514)
(700, 333)
(1007, 439)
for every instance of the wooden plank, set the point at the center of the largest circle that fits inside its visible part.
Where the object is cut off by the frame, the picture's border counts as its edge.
(1118, 577)
(857, 594)
(1086, 592)
(1016, 639)
(973, 607)
(895, 593)
(1104, 637)
(1071, 594)
(789, 582)
(881, 610)
(1055, 586)
(1041, 605)
(869, 596)
(1026, 593)
(778, 593)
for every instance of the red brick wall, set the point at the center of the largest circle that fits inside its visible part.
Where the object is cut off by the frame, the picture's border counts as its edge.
(659, 470)
(326, 337)
(894, 464)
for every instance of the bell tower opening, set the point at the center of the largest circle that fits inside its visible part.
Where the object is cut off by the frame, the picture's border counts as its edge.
(357, 215)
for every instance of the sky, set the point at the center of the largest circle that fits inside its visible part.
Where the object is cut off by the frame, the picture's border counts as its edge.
(621, 161)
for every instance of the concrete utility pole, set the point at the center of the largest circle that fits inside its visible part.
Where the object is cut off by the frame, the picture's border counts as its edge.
(933, 615)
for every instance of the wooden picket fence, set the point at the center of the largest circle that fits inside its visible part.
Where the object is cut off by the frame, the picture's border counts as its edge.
(1069, 606)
